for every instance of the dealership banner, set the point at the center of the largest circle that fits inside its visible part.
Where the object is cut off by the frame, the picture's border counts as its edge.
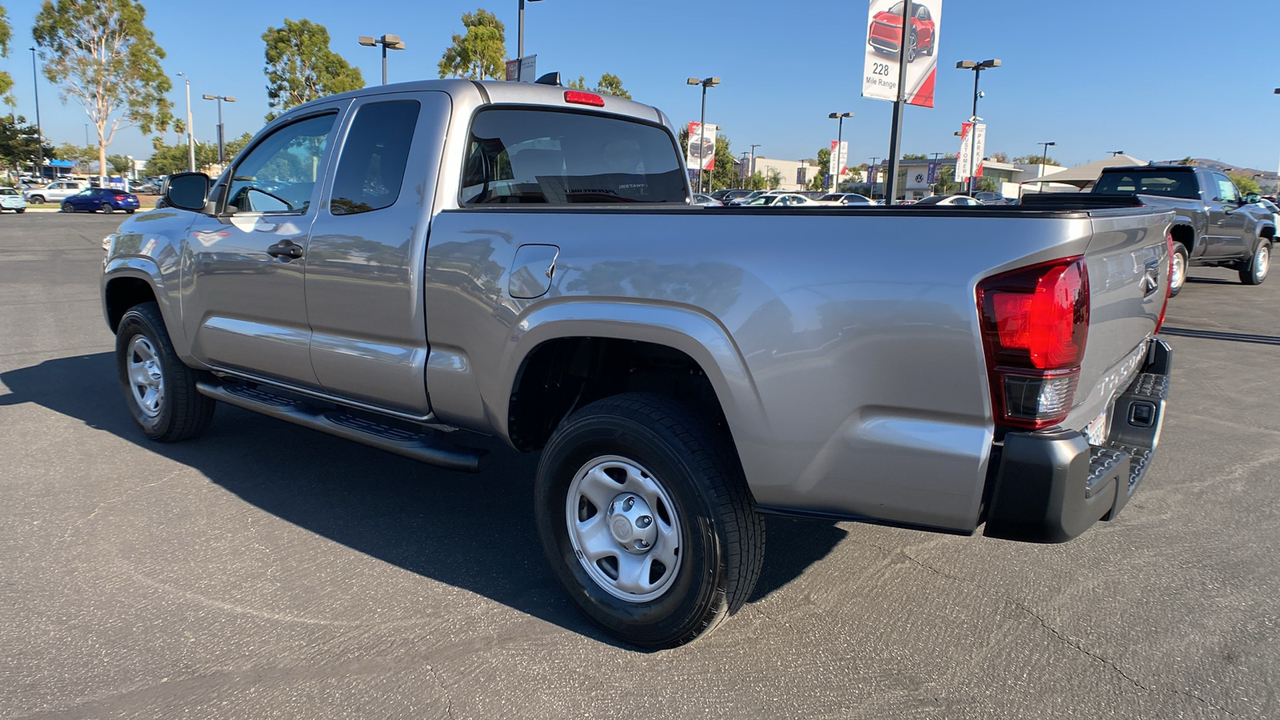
(884, 48)
(702, 148)
(970, 148)
(838, 164)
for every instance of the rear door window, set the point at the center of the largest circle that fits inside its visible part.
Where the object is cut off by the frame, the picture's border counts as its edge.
(560, 158)
(371, 167)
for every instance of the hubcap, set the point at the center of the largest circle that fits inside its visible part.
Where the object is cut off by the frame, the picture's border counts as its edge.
(1179, 270)
(623, 528)
(146, 380)
(1261, 263)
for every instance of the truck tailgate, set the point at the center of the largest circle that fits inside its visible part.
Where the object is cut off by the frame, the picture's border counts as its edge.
(1128, 265)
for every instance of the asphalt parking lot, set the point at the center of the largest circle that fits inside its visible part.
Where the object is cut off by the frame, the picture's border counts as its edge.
(269, 571)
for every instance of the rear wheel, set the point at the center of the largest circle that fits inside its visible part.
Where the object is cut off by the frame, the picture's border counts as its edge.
(1178, 275)
(37, 199)
(20, 210)
(647, 521)
(911, 47)
(107, 209)
(159, 390)
(1256, 271)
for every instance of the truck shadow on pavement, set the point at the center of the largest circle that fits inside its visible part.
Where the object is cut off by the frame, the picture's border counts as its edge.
(474, 532)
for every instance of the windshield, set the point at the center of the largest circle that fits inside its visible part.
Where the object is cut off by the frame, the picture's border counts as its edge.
(558, 157)
(1149, 182)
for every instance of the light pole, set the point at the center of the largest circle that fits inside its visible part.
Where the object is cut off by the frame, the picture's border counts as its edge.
(977, 68)
(751, 172)
(1044, 158)
(520, 44)
(222, 148)
(35, 84)
(388, 42)
(702, 124)
(871, 170)
(839, 118)
(191, 141)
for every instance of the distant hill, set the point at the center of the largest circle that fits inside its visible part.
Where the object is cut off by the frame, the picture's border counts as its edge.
(1265, 177)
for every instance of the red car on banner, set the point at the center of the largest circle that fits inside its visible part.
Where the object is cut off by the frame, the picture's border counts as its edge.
(885, 33)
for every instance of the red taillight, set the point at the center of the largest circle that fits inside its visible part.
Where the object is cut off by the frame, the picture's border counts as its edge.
(1168, 288)
(119, 198)
(583, 98)
(1035, 321)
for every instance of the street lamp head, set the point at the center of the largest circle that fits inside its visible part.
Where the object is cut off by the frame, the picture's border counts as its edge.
(229, 98)
(992, 63)
(368, 41)
(210, 97)
(840, 115)
(965, 65)
(391, 42)
(694, 81)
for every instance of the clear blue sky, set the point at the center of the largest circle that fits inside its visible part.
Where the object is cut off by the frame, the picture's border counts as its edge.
(1158, 79)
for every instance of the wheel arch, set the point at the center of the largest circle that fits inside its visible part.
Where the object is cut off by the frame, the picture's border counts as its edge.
(1183, 231)
(131, 281)
(571, 354)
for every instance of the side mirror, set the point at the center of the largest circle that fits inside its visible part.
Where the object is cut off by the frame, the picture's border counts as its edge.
(187, 191)
(1251, 198)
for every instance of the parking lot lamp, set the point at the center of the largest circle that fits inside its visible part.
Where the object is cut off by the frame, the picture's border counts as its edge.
(191, 141)
(35, 85)
(839, 118)
(1044, 158)
(871, 186)
(1115, 152)
(388, 42)
(977, 68)
(222, 148)
(702, 124)
(520, 43)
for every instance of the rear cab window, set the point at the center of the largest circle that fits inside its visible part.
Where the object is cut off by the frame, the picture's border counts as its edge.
(559, 157)
(1149, 182)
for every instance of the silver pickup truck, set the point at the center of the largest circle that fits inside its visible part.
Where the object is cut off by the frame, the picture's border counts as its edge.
(411, 266)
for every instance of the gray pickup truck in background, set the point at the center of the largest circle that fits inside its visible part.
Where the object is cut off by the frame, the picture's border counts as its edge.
(411, 266)
(1214, 223)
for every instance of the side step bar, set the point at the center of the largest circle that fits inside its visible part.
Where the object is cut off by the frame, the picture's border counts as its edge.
(425, 446)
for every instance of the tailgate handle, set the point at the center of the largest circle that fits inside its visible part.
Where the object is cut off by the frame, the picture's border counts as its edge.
(1151, 278)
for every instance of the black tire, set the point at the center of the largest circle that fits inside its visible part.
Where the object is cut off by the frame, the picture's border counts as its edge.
(20, 210)
(719, 535)
(1256, 271)
(128, 212)
(1178, 276)
(107, 209)
(37, 199)
(179, 412)
(68, 207)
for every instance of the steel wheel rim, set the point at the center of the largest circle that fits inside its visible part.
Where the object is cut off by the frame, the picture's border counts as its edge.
(1260, 265)
(1179, 270)
(146, 377)
(608, 535)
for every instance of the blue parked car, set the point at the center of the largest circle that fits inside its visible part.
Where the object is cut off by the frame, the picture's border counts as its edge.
(104, 199)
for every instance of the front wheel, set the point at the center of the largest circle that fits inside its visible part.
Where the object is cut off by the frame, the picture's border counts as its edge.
(646, 519)
(911, 48)
(159, 390)
(36, 199)
(1178, 271)
(1256, 271)
(68, 207)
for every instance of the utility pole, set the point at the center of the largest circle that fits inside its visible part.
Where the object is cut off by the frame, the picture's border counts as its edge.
(751, 172)
(895, 136)
(191, 140)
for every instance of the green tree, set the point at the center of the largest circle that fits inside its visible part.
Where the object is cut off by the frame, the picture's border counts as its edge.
(6, 80)
(612, 85)
(81, 155)
(756, 181)
(170, 159)
(480, 53)
(301, 67)
(235, 145)
(946, 181)
(119, 164)
(1034, 160)
(987, 184)
(1245, 183)
(103, 56)
(915, 156)
(19, 143)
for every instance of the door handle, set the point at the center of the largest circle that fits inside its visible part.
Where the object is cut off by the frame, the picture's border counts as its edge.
(285, 249)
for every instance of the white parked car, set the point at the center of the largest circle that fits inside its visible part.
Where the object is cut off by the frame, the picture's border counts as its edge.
(56, 191)
(845, 199)
(783, 200)
(949, 200)
(11, 199)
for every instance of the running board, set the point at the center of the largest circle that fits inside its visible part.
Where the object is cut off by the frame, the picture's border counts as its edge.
(425, 446)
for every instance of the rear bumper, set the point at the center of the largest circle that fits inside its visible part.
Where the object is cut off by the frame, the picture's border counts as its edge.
(1051, 487)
